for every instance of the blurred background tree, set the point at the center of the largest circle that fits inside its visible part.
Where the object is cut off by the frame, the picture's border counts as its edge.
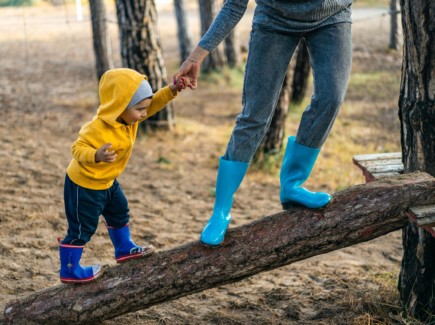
(141, 50)
(100, 36)
(183, 31)
(216, 59)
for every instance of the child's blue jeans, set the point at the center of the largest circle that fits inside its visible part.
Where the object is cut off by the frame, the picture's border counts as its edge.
(330, 50)
(83, 208)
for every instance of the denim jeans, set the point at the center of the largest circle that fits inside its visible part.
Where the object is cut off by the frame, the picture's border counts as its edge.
(330, 50)
(83, 208)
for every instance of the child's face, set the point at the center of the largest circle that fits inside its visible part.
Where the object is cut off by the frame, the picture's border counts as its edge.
(137, 112)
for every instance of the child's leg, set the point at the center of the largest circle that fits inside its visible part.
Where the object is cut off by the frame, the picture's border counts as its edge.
(83, 208)
(117, 217)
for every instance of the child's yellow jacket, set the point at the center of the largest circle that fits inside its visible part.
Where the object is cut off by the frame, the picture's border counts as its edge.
(117, 87)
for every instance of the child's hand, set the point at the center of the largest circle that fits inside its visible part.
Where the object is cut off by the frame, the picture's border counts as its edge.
(103, 154)
(181, 83)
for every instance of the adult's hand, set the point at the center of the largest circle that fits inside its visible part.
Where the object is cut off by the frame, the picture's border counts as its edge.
(190, 67)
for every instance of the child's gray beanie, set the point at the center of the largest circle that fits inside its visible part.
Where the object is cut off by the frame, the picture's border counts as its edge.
(143, 91)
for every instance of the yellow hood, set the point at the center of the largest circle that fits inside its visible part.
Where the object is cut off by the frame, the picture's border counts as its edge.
(117, 87)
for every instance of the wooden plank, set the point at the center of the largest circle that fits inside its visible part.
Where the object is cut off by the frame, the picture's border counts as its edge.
(379, 165)
(425, 215)
(379, 156)
(382, 175)
(385, 169)
(381, 162)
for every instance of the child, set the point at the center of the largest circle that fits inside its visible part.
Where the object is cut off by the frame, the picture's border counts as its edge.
(100, 154)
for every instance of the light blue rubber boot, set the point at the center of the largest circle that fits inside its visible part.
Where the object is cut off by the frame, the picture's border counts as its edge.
(70, 269)
(125, 248)
(296, 168)
(229, 177)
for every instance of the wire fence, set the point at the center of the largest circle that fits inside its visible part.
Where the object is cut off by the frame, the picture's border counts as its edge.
(68, 17)
(33, 24)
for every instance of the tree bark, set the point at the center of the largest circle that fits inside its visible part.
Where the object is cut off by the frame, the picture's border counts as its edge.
(417, 116)
(100, 36)
(356, 215)
(207, 12)
(141, 51)
(301, 74)
(184, 37)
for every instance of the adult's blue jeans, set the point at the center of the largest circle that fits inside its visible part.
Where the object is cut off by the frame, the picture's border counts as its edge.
(83, 208)
(330, 50)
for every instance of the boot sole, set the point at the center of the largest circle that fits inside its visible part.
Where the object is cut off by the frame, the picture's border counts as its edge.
(149, 250)
(211, 245)
(82, 281)
(288, 205)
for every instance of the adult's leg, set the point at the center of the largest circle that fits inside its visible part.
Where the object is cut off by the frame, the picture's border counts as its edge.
(330, 51)
(268, 59)
(330, 57)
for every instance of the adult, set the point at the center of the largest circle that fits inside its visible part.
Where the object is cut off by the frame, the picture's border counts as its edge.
(277, 28)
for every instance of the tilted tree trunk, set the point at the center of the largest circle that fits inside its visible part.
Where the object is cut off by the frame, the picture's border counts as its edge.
(183, 31)
(141, 50)
(100, 36)
(394, 28)
(356, 215)
(273, 140)
(417, 116)
(301, 74)
(207, 12)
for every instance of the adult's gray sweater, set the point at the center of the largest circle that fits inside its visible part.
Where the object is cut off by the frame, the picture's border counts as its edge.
(284, 16)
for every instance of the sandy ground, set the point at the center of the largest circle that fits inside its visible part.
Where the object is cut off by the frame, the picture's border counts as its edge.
(48, 89)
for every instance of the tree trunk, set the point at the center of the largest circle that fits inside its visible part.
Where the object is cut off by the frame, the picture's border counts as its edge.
(356, 215)
(215, 60)
(101, 39)
(394, 26)
(417, 116)
(273, 139)
(301, 74)
(184, 38)
(141, 50)
(232, 49)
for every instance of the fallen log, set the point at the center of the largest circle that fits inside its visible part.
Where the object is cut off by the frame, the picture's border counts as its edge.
(357, 214)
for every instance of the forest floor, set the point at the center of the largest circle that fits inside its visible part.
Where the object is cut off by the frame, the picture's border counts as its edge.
(48, 89)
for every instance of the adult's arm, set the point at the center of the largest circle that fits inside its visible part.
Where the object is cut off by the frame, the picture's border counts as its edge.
(227, 18)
